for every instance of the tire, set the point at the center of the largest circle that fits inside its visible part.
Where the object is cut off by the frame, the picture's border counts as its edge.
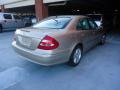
(103, 39)
(28, 24)
(75, 57)
(1, 29)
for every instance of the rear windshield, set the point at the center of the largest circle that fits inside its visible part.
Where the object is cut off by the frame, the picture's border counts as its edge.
(53, 23)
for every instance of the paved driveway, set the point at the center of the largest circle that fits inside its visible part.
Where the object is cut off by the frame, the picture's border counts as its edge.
(98, 70)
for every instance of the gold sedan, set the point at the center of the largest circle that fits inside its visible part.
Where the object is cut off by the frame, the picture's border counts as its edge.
(58, 39)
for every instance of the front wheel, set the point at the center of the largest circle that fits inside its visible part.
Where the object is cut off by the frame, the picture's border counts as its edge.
(103, 39)
(1, 29)
(75, 56)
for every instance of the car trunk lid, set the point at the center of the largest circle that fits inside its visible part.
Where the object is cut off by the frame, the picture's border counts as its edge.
(31, 37)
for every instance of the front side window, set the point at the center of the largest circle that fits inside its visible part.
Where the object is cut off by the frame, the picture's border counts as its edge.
(83, 24)
(53, 23)
(7, 16)
(92, 24)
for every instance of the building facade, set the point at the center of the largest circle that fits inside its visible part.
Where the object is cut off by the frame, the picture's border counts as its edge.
(41, 6)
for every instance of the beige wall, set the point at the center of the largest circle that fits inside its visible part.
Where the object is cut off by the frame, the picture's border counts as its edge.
(3, 2)
(20, 4)
(16, 3)
(51, 1)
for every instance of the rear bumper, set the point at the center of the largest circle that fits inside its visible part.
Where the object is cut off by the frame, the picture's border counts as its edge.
(42, 59)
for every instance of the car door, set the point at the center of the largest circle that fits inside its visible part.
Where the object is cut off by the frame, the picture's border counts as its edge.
(95, 31)
(19, 22)
(84, 33)
(8, 22)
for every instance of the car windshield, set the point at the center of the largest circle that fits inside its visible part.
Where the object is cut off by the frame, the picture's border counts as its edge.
(53, 23)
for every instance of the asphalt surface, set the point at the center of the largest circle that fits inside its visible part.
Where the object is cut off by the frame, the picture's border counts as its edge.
(98, 70)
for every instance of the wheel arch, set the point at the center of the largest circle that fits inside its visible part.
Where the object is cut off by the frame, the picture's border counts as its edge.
(79, 45)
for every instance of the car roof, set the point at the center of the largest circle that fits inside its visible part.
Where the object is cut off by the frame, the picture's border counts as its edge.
(95, 14)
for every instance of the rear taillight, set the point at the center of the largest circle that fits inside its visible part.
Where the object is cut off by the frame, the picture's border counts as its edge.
(48, 43)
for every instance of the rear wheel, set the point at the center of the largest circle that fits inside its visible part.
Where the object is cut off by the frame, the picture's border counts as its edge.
(28, 24)
(75, 56)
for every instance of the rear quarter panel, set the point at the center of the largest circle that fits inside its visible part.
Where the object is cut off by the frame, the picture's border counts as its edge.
(67, 39)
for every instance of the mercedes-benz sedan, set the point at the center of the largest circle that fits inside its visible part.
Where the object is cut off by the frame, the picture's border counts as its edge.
(58, 39)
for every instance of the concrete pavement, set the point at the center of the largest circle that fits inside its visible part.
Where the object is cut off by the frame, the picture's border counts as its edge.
(98, 70)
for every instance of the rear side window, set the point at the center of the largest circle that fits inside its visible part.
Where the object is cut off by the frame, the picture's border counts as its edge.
(7, 16)
(83, 24)
(53, 23)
